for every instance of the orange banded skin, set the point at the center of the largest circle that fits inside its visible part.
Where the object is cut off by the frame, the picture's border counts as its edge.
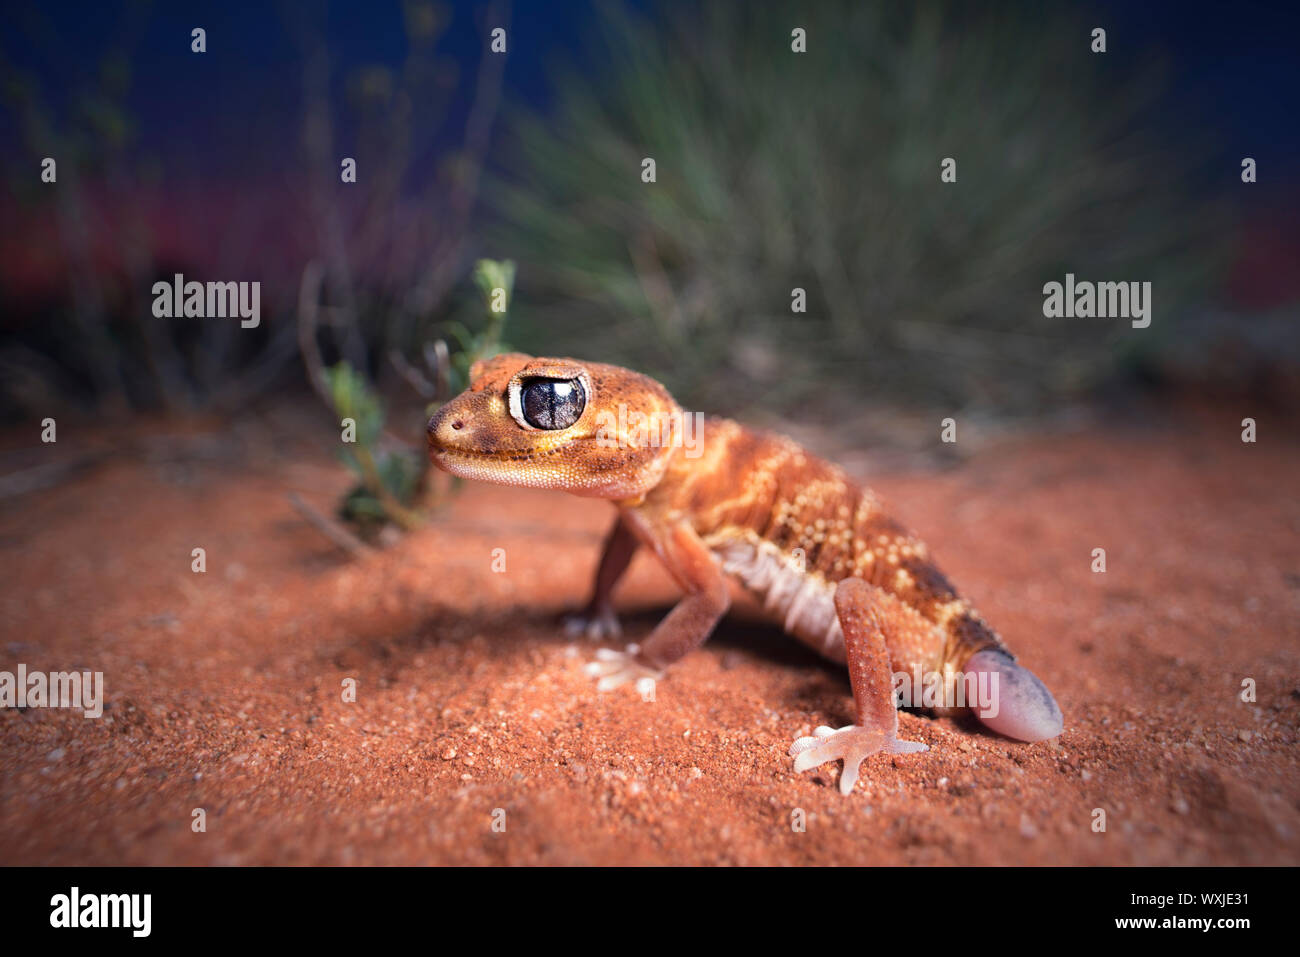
(795, 525)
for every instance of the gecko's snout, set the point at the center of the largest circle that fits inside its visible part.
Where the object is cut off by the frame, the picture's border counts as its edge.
(439, 423)
(1021, 706)
(459, 440)
(441, 430)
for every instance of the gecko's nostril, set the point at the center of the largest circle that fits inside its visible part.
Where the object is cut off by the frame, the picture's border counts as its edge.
(458, 425)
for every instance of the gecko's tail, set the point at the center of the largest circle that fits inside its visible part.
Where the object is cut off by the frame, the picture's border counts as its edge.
(1020, 705)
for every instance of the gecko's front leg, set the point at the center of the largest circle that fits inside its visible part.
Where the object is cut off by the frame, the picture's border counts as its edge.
(598, 619)
(866, 617)
(690, 622)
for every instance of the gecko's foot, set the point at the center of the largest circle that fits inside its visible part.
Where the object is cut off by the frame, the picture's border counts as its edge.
(850, 744)
(615, 668)
(596, 624)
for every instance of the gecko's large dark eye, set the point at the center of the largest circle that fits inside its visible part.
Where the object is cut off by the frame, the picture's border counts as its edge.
(552, 403)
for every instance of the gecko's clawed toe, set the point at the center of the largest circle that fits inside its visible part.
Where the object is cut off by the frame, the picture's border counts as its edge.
(596, 624)
(852, 745)
(614, 668)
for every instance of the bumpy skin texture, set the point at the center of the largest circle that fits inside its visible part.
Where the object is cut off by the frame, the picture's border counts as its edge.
(723, 500)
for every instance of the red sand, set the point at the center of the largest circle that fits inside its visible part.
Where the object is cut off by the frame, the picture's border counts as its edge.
(224, 688)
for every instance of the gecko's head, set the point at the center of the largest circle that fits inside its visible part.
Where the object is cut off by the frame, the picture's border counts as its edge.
(557, 424)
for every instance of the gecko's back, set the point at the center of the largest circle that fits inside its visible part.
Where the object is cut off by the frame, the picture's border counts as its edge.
(790, 526)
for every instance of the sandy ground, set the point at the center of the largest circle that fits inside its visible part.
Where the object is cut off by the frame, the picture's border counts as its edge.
(224, 688)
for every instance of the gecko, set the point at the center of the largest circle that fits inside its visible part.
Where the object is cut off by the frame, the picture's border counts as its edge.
(724, 502)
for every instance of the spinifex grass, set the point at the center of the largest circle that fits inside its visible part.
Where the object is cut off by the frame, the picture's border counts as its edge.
(778, 170)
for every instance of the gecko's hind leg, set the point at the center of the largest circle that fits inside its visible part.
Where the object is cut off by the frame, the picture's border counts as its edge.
(864, 619)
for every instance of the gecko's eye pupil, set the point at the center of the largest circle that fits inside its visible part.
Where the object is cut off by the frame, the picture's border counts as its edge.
(552, 403)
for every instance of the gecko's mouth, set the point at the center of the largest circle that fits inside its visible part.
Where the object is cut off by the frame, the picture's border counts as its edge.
(439, 453)
(464, 464)
(443, 456)
(496, 467)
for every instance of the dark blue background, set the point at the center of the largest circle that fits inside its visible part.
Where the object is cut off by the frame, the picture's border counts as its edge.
(1234, 66)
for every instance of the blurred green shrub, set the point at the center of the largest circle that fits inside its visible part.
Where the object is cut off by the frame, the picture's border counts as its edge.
(821, 170)
(392, 484)
(496, 283)
(388, 477)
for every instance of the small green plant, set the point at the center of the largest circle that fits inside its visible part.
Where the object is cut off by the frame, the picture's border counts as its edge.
(389, 477)
(392, 476)
(496, 281)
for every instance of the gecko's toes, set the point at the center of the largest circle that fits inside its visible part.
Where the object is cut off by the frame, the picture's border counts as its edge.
(615, 668)
(851, 744)
(1021, 706)
(596, 625)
